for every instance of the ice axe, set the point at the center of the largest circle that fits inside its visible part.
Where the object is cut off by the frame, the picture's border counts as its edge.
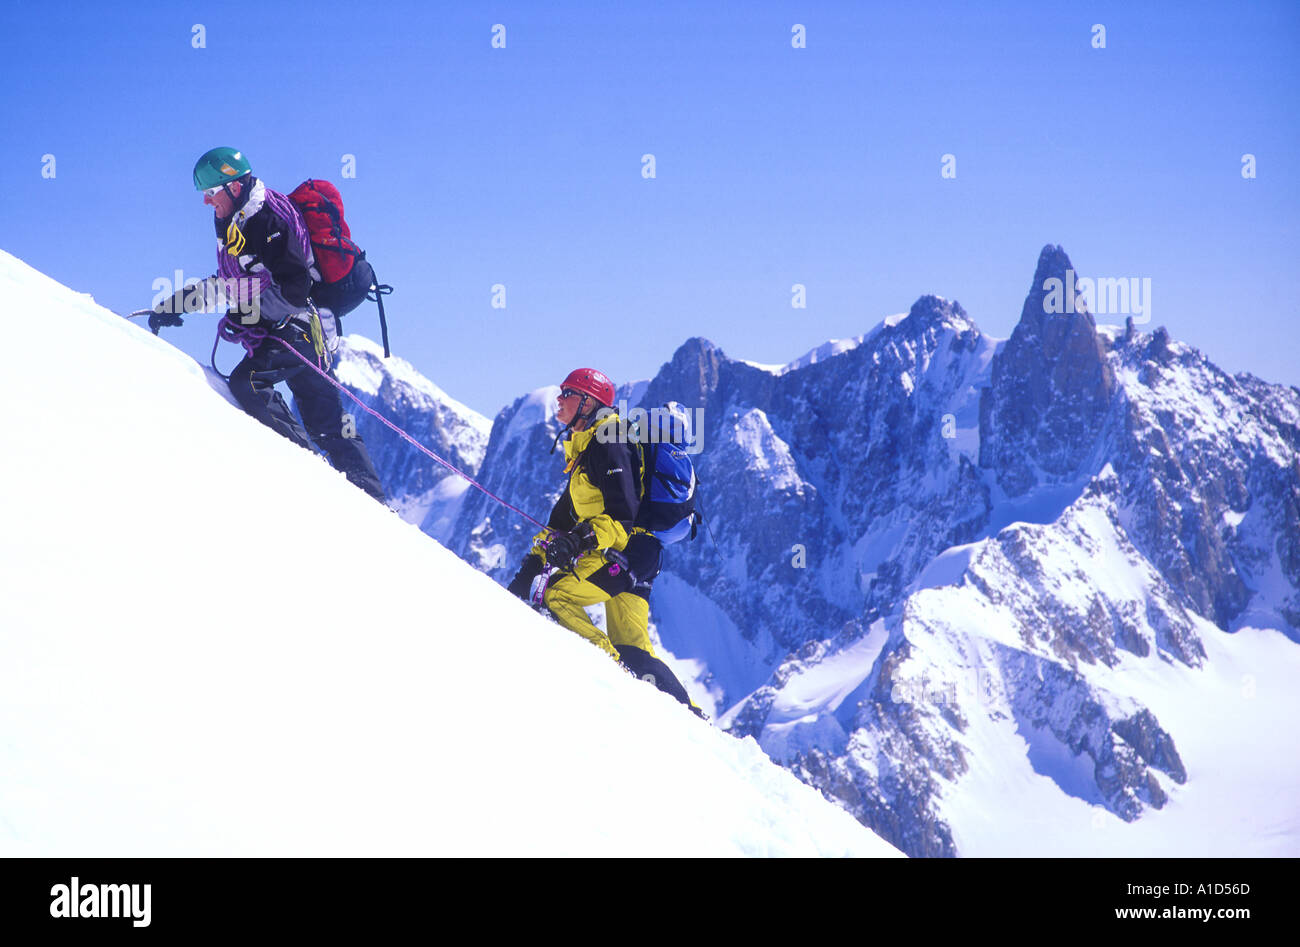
(164, 319)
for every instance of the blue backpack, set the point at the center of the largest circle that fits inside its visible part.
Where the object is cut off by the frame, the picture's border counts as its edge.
(668, 487)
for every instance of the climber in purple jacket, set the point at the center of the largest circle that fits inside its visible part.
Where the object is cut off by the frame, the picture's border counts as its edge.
(264, 262)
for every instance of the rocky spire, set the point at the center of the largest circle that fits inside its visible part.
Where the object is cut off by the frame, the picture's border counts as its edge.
(1051, 385)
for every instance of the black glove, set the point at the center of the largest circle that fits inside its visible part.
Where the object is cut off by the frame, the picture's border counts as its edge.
(194, 297)
(564, 549)
(522, 584)
(160, 319)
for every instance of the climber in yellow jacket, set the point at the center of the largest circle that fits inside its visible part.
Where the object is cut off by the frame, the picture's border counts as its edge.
(594, 513)
(593, 517)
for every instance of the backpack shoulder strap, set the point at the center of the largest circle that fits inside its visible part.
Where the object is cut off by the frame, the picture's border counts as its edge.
(649, 455)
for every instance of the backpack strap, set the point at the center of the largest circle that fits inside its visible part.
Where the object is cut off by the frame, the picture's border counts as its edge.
(376, 294)
(649, 461)
(697, 514)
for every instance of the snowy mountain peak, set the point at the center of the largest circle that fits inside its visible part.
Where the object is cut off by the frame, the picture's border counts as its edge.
(827, 350)
(927, 313)
(931, 312)
(533, 409)
(362, 366)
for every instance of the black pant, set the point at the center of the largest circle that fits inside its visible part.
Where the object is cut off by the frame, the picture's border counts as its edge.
(649, 668)
(253, 385)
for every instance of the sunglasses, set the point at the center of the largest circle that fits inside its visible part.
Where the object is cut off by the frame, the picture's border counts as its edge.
(213, 191)
(570, 393)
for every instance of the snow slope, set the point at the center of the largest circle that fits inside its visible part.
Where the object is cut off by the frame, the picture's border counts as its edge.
(211, 644)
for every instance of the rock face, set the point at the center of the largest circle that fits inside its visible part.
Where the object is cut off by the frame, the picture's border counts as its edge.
(1209, 469)
(831, 484)
(939, 554)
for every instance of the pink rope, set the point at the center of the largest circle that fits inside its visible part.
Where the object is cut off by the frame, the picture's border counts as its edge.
(250, 337)
(407, 437)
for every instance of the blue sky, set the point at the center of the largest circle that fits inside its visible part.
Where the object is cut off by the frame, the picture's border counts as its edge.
(774, 166)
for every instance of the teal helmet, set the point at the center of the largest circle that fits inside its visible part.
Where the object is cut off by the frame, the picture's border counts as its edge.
(219, 166)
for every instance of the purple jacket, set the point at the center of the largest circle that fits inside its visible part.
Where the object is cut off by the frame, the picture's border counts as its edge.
(263, 246)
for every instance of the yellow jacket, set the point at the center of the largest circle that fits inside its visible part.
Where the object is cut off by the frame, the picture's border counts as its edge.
(602, 489)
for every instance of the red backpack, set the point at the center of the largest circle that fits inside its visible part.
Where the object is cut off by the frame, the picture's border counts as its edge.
(331, 238)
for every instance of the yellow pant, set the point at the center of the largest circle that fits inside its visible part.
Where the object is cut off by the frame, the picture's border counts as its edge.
(627, 616)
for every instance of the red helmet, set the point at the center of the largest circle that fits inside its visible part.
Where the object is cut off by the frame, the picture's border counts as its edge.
(588, 381)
